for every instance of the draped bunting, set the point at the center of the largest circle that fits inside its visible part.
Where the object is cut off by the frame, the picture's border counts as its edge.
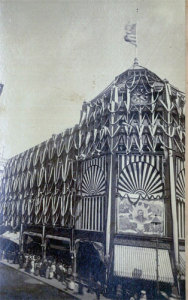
(24, 159)
(65, 168)
(27, 180)
(43, 154)
(51, 149)
(57, 171)
(38, 210)
(19, 164)
(68, 143)
(24, 210)
(31, 210)
(46, 202)
(36, 156)
(30, 160)
(41, 177)
(56, 209)
(60, 146)
(130, 114)
(33, 181)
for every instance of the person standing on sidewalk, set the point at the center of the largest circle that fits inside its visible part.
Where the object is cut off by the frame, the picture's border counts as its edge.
(143, 295)
(98, 290)
(21, 260)
(119, 292)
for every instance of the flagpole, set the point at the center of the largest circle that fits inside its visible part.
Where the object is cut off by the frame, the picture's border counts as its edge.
(136, 47)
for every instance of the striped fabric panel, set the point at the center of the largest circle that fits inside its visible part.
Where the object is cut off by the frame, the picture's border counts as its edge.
(155, 161)
(181, 219)
(90, 214)
(100, 161)
(182, 262)
(138, 262)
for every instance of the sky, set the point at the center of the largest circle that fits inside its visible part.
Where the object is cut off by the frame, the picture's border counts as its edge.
(56, 54)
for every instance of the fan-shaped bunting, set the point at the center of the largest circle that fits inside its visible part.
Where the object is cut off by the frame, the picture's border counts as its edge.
(93, 182)
(142, 179)
(180, 185)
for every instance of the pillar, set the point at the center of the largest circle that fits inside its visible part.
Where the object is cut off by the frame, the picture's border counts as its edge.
(172, 181)
(21, 238)
(43, 242)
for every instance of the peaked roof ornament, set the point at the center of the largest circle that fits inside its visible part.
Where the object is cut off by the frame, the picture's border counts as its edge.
(136, 64)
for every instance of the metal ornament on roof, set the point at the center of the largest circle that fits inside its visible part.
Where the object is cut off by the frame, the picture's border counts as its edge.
(139, 180)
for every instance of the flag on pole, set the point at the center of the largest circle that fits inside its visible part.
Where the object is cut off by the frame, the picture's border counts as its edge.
(130, 35)
(1, 88)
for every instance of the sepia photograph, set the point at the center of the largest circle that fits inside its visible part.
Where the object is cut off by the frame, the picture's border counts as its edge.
(92, 149)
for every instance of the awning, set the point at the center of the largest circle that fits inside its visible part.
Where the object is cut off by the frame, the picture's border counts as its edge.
(11, 236)
(58, 247)
(182, 262)
(60, 238)
(140, 263)
(33, 233)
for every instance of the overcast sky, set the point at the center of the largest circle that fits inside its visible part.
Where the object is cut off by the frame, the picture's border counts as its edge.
(56, 54)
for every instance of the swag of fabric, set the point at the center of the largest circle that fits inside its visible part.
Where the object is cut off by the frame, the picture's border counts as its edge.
(36, 156)
(24, 209)
(31, 207)
(46, 203)
(38, 210)
(60, 146)
(57, 171)
(66, 208)
(56, 201)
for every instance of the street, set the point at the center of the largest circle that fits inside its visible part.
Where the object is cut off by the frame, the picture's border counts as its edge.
(15, 285)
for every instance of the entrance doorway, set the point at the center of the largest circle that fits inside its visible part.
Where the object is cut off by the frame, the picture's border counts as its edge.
(89, 264)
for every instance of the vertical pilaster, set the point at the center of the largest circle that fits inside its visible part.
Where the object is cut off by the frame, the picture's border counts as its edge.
(21, 238)
(172, 181)
(111, 175)
(43, 241)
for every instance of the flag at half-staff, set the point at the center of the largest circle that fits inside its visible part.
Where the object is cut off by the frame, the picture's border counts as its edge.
(130, 35)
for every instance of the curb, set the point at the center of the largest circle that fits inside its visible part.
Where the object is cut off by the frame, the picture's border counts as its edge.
(41, 280)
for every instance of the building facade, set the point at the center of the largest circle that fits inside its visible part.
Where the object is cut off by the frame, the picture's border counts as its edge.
(109, 193)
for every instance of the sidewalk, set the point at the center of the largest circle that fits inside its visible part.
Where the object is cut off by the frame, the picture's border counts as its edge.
(58, 285)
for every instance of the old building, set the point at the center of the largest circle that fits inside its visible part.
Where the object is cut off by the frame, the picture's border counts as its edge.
(109, 193)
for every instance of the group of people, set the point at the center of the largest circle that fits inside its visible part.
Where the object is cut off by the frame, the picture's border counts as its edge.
(33, 264)
(51, 268)
(48, 268)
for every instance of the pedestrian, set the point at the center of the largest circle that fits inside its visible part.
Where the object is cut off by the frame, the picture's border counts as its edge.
(58, 271)
(98, 290)
(28, 265)
(43, 268)
(134, 297)
(38, 264)
(52, 270)
(80, 287)
(16, 258)
(89, 283)
(21, 261)
(26, 258)
(119, 292)
(143, 295)
(71, 284)
(3, 255)
(47, 275)
(32, 265)
(8, 256)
